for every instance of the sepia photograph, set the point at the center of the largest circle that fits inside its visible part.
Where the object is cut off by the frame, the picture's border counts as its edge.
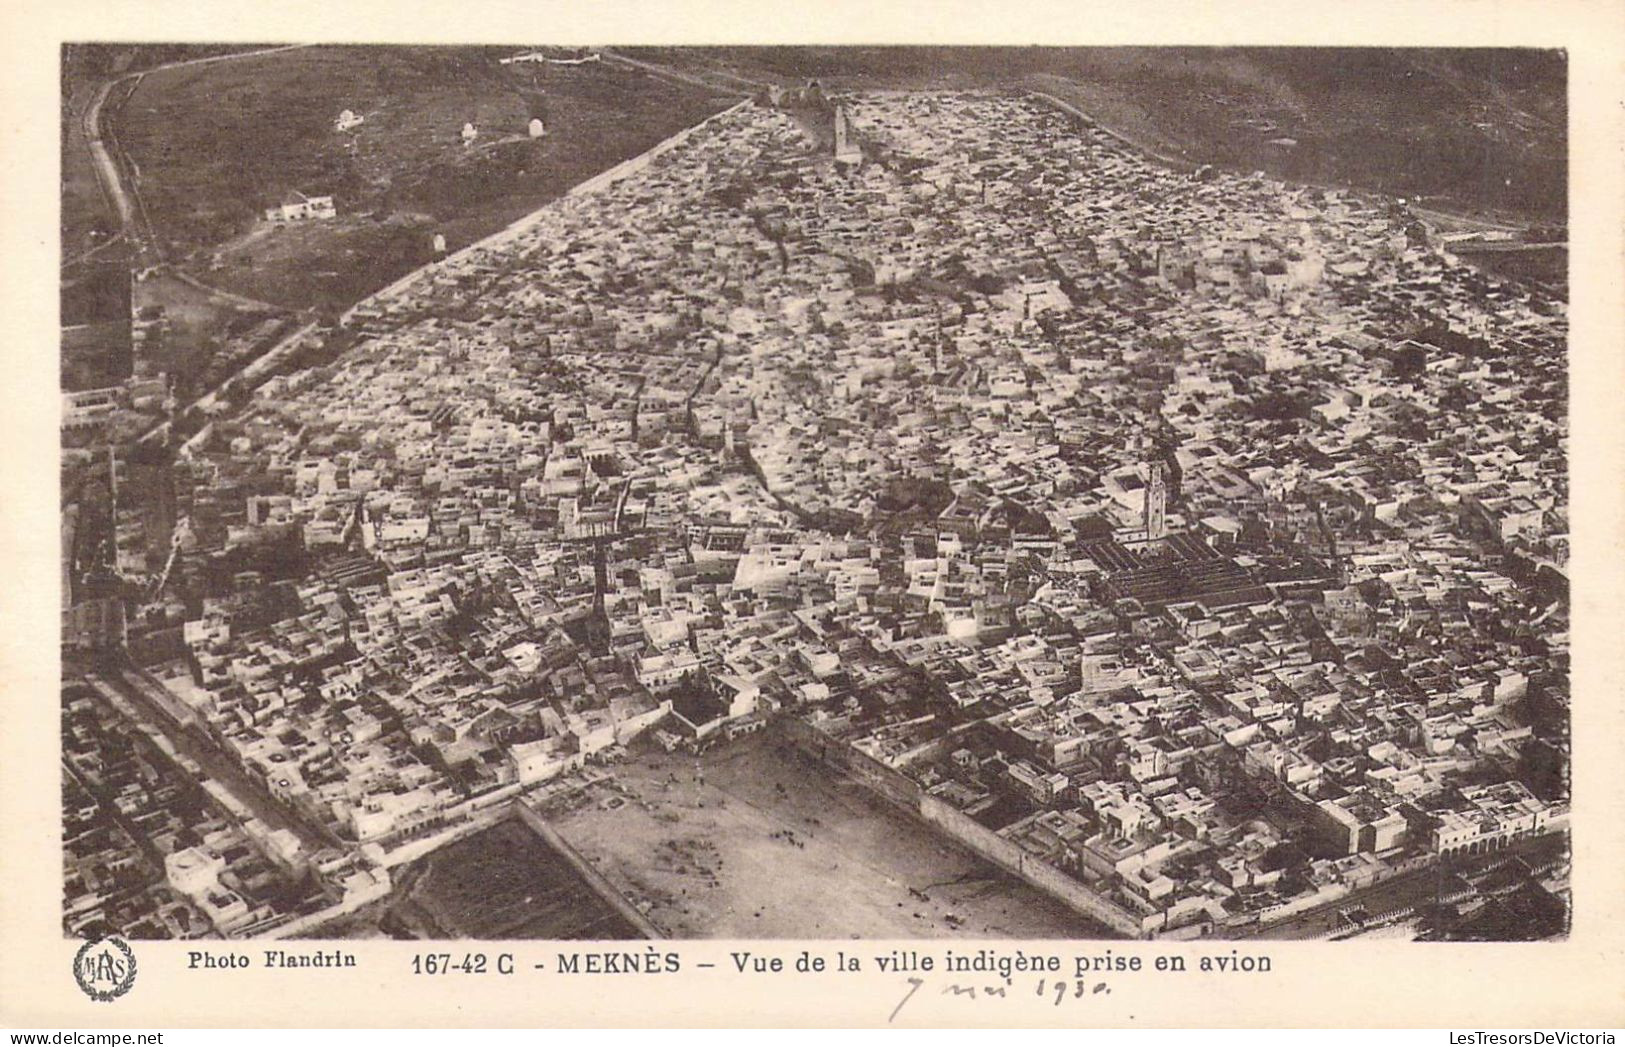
(533, 491)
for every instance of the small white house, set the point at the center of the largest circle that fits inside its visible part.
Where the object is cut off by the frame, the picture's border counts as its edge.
(297, 207)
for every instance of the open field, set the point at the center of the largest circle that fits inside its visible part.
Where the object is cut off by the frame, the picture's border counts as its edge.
(94, 355)
(503, 882)
(1550, 267)
(752, 840)
(217, 144)
(85, 69)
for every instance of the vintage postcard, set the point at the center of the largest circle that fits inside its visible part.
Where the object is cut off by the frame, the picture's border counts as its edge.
(714, 515)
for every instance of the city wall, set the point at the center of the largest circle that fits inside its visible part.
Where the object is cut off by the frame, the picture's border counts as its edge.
(974, 837)
(465, 819)
(314, 921)
(1041, 874)
(889, 784)
(585, 869)
(1177, 163)
(503, 236)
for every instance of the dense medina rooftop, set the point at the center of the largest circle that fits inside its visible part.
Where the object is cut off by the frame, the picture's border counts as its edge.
(1192, 533)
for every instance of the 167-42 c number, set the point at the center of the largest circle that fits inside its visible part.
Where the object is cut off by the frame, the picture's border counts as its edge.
(468, 963)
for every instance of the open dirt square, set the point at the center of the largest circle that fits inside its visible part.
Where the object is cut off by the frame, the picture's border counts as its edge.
(754, 840)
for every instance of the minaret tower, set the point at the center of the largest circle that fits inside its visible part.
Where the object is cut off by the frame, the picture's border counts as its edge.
(1156, 502)
(847, 151)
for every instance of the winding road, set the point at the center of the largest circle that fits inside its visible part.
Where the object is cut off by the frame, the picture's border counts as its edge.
(122, 198)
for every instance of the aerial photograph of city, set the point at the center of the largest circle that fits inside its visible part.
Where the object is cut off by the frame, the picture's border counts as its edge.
(611, 493)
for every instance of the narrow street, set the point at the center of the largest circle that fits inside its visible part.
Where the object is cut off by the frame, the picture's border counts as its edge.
(216, 764)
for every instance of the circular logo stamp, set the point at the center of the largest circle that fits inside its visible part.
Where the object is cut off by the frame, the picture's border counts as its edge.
(105, 968)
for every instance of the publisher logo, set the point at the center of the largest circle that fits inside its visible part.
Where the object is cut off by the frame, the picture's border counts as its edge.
(105, 968)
